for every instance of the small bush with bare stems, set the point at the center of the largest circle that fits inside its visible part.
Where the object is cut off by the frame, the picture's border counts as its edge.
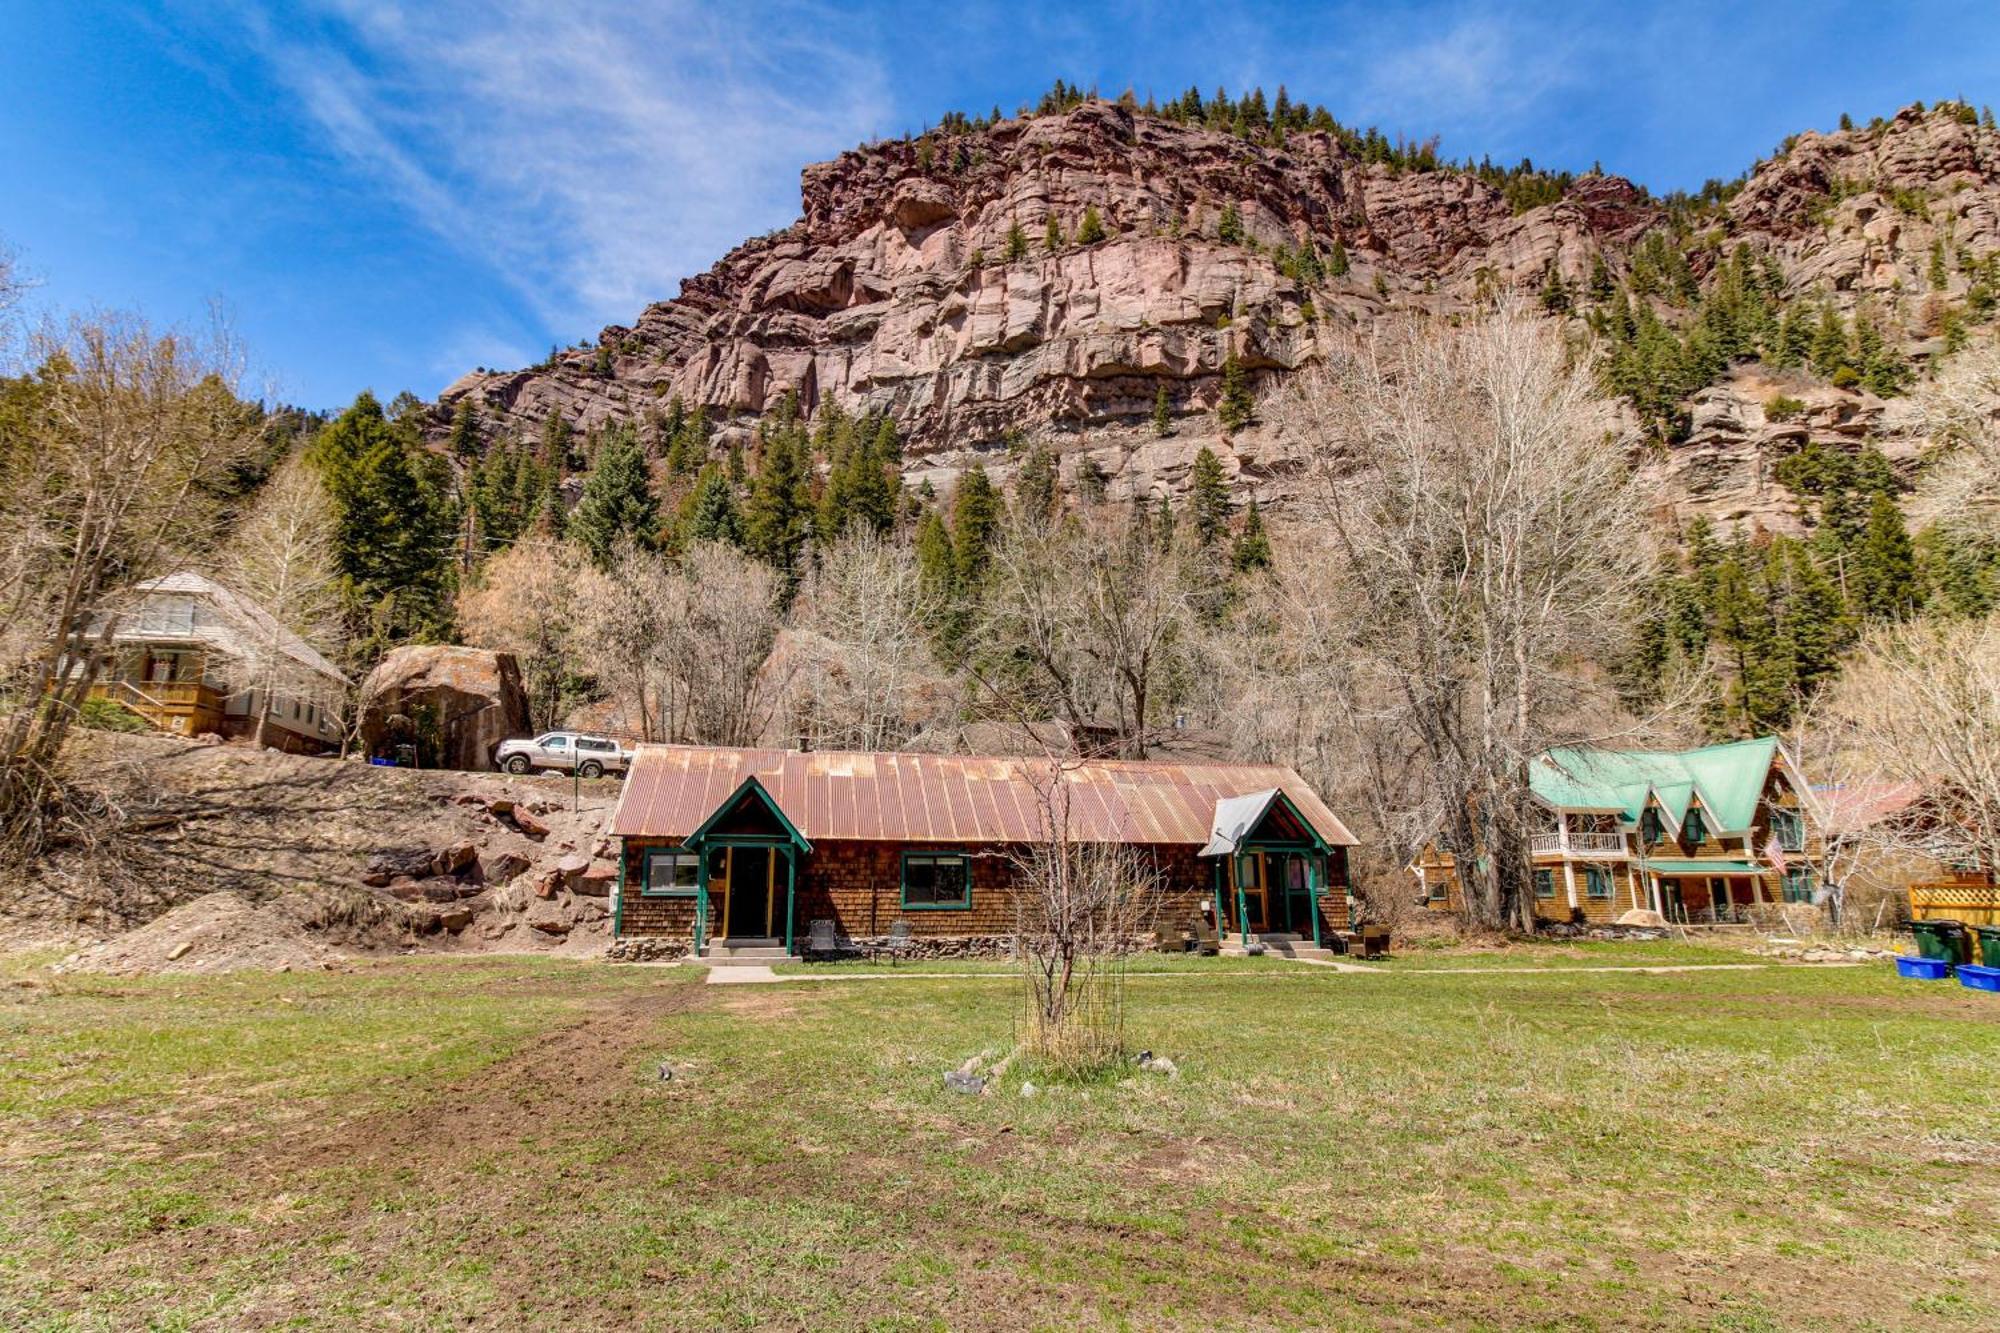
(1082, 909)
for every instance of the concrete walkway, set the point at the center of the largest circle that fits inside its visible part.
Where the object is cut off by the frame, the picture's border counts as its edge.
(733, 976)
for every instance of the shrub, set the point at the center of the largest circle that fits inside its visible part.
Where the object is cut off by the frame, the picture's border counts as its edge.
(1783, 408)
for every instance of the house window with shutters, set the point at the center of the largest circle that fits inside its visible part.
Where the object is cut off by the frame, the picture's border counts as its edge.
(1545, 883)
(1597, 881)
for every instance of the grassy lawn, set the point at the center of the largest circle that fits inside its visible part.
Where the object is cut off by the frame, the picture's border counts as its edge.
(488, 1143)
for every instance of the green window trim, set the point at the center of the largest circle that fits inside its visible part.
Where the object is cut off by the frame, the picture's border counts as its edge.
(1597, 881)
(1798, 887)
(1789, 829)
(669, 872)
(1652, 829)
(1545, 884)
(928, 865)
(1695, 827)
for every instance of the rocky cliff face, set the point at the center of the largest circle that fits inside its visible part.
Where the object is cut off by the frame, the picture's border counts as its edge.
(894, 290)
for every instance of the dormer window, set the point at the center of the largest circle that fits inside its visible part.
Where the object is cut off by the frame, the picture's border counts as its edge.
(1696, 828)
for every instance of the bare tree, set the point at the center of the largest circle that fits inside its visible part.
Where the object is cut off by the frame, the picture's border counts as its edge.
(1959, 413)
(1919, 703)
(1099, 613)
(113, 449)
(1081, 909)
(863, 677)
(1492, 541)
(282, 559)
(526, 602)
(685, 643)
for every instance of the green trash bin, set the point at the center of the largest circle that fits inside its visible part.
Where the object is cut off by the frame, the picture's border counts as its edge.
(1989, 944)
(1943, 940)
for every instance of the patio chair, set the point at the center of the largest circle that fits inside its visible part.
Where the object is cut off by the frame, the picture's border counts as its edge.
(899, 941)
(821, 941)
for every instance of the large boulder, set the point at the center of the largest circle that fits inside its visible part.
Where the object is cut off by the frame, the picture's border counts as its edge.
(455, 704)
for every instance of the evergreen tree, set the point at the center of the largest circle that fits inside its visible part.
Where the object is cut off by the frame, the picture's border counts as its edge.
(617, 499)
(1237, 407)
(1165, 525)
(1163, 413)
(1829, 343)
(687, 440)
(1229, 230)
(1035, 486)
(1017, 242)
(1884, 580)
(1092, 229)
(1252, 551)
(1555, 292)
(465, 441)
(975, 528)
(1601, 286)
(1089, 480)
(778, 518)
(1208, 497)
(1336, 261)
(395, 525)
(711, 514)
(1760, 693)
(1052, 235)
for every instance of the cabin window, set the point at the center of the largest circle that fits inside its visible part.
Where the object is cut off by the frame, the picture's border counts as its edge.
(1545, 883)
(1439, 889)
(1597, 881)
(671, 873)
(1696, 828)
(1650, 829)
(1963, 863)
(1789, 830)
(1799, 885)
(936, 879)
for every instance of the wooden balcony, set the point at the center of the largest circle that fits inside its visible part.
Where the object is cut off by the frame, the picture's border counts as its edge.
(184, 707)
(1576, 844)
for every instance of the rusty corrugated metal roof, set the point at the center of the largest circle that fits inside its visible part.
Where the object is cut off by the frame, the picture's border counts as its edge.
(932, 798)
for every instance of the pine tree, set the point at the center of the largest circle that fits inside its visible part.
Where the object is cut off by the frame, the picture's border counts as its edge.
(1829, 343)
(1017, 242)
(1229, 230)
(975, 528)
(1163, 413)
(1336, 261)
(1884, 581)
(711, 514)
(1165, 525)
(465, 439)
(1208, 497)
(1555, 292)
(1052, 235)
(1601, 286)
(779, 515)
(395, 524)
(1092, 229)
(1237, 407)
(1089, 480)
(937, 563)
(1252, 551)
(1035, 486)
(617, 498)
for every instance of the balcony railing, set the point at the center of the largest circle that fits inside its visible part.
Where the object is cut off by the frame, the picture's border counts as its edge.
(162, 695)
(1577, 843)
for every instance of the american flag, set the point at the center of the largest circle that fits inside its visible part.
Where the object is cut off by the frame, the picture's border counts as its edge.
(1775, 854)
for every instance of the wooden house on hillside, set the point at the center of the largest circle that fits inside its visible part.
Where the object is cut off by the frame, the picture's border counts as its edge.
(191, 656)
(727, 849)
(1695, 835)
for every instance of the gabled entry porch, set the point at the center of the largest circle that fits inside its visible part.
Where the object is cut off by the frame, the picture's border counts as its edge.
(746, 897)
(1271, 873)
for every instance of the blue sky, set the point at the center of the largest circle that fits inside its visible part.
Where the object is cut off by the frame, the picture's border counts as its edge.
(385, 195)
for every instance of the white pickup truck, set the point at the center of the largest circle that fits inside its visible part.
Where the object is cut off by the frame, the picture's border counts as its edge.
(586, 755)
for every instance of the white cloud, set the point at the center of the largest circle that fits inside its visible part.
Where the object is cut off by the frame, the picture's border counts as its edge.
(591, 155)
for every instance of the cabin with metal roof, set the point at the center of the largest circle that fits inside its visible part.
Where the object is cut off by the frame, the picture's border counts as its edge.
(1699, 836)
(749, 852)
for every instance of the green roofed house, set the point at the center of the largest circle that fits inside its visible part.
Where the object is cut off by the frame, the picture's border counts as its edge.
(1699, 836)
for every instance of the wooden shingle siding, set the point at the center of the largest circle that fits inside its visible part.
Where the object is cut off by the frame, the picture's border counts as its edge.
(858, 886)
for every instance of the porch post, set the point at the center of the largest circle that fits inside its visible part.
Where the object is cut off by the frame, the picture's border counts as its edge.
(1312, 894)
(791, 883)
(1242, 916)
(701, 902)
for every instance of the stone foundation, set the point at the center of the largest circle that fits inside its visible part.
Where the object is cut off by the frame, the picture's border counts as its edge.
(645, 949)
